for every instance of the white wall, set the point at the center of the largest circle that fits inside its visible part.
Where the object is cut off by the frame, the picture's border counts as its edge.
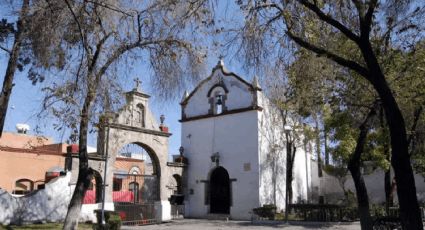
(234, 136)
(272, 151)
(45, 205)
(272, 156)
(333, 192)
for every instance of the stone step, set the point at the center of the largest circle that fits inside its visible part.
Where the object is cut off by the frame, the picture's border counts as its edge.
(216, 216)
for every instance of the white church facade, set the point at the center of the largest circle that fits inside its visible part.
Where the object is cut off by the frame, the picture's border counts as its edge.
(235, 144)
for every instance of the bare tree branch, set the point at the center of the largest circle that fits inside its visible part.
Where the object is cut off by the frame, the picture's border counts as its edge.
(338, 59)
(97, 52)
(370, 11)
(6, 50)
(331, 21)
(81, 32)
(265, 6)
(107, 6)
(127, 47)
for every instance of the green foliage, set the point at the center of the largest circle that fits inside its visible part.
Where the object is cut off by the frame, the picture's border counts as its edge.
(336, 171)
(113, 221)
(377, 210)
(267, 211)
(350, 199)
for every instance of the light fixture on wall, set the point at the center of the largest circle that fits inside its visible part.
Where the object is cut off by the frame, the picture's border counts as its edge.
(287, 129)
(215, 158)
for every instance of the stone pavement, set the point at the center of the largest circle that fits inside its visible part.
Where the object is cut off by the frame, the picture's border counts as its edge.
(202, 224)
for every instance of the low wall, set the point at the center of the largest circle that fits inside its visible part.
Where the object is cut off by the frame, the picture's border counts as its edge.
(46, 205)
(333, 193)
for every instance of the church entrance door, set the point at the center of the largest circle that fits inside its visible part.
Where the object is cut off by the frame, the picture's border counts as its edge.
(220, 191)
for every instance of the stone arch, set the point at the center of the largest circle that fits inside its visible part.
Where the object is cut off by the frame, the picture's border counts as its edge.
(223, 86)
(154, 142)
(115, 132)
(179, 186)
(151, 153)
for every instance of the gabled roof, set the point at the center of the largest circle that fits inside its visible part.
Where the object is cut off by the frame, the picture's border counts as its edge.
(219, 66)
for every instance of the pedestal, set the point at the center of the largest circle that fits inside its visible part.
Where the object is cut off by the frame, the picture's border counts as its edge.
(163, 210)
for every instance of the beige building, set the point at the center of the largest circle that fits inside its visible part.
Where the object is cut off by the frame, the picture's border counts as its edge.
(28, 162)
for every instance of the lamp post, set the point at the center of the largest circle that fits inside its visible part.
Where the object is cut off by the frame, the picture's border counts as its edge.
(287, 130)
(104, 175)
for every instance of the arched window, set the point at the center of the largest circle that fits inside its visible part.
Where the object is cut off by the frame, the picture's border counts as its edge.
(135, 170)
(23, 186)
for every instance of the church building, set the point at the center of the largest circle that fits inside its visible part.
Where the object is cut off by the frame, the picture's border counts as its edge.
(235, 144)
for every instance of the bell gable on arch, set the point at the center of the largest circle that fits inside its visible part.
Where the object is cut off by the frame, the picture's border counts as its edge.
(221, 93)
(136, 113)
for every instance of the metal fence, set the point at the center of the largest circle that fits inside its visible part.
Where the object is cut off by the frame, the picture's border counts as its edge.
(135, 197)
(177, 211)
(137, 214)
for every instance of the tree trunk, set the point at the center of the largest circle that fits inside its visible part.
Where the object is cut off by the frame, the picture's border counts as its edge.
(11, 65)
(325, 138)
(400, 159)
(85, 174)
(354, 167)
(319, 152)
(387, 181)
(362, 196)
(289, 166)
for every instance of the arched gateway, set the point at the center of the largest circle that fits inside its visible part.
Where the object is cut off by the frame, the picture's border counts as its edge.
(134, 124)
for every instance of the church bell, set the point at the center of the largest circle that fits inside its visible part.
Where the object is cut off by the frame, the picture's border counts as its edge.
(219, 101)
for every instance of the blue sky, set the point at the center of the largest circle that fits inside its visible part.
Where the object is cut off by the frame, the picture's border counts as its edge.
(26, 98)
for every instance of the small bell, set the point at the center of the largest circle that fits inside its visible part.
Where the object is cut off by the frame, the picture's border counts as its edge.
(219, 101)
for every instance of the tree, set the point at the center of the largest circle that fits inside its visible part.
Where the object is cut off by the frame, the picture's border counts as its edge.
(343, 104)
(104, 35)
(17, 30)
(33, 40)
(351, 151)
(366, 26)
(342, 110)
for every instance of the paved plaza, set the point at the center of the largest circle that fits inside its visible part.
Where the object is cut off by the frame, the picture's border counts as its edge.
(198, 224)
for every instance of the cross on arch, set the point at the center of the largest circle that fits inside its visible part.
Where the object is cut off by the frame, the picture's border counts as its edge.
(138, 83)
